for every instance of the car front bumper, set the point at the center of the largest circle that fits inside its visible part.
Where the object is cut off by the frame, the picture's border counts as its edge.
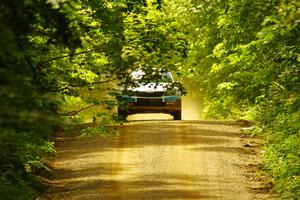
(165, 104)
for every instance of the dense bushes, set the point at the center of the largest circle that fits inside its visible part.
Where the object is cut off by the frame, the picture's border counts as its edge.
(25, 118)
(32, 32)
(245, 57)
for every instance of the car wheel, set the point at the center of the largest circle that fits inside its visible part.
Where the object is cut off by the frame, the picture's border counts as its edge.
(122, 115)
(177, 115)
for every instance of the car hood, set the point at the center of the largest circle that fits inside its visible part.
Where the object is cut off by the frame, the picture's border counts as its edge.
(150, 87)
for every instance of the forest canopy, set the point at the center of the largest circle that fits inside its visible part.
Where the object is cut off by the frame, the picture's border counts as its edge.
(243, 56)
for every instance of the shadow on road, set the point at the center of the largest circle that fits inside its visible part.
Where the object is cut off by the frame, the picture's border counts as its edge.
(158, 187)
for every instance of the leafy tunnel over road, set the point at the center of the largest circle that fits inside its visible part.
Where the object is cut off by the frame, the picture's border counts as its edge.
(153, 160)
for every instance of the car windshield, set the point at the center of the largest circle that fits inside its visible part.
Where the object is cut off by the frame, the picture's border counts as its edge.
(165, 77)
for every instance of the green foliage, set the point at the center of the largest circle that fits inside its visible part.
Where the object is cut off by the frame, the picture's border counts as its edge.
(34, 77)
(152, 41)
(245, 57)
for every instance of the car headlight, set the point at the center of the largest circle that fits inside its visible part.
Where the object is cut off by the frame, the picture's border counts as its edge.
(173, 91)
(170, 99)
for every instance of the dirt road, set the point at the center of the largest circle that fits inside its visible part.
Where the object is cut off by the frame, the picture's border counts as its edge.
(153, 160)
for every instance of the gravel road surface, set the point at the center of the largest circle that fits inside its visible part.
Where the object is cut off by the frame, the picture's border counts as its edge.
(152, 160)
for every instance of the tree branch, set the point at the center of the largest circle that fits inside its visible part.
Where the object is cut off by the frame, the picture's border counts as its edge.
(81, 85)
(34, 74)
(65, 56)
(74, 112)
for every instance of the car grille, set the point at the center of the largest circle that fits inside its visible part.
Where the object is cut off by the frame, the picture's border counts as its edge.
(149, 94)
(149, 102)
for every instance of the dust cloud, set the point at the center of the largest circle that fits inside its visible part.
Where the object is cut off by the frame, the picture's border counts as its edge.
(192, 102)
(191, 107)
